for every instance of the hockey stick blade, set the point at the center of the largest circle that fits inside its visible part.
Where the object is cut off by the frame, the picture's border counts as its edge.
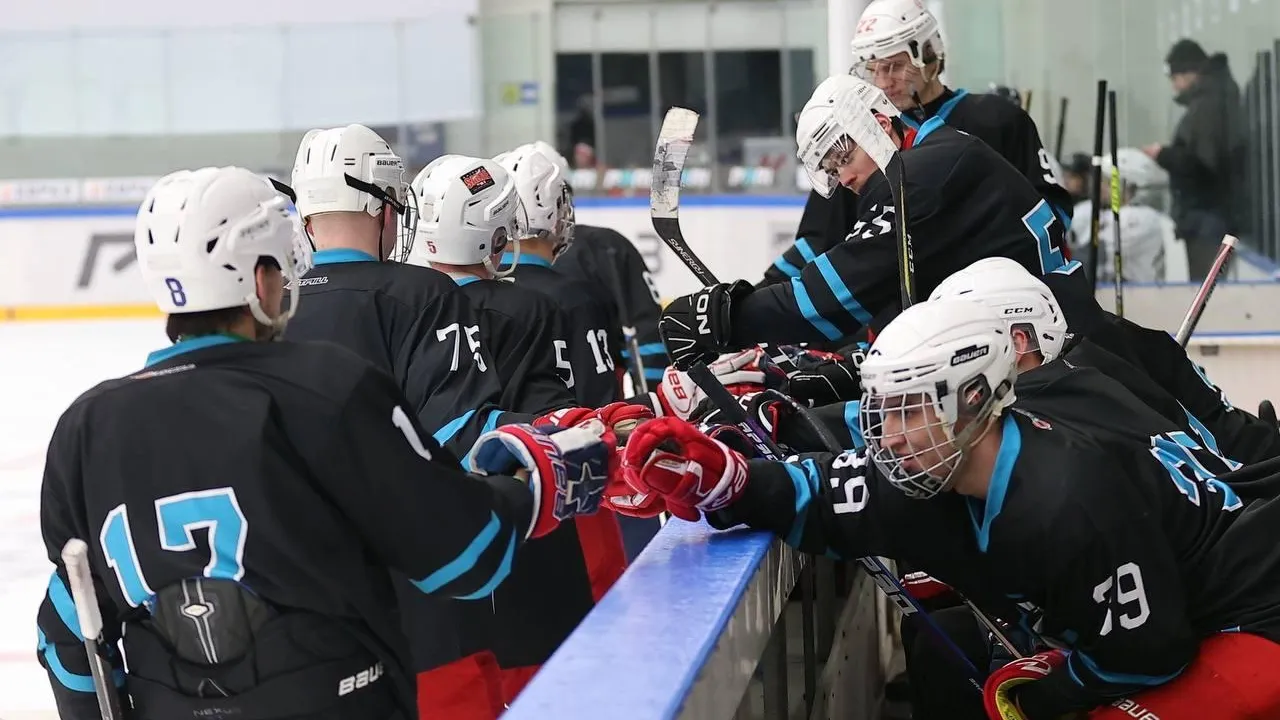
(1201, 300)
(75, 559)
(674, 140)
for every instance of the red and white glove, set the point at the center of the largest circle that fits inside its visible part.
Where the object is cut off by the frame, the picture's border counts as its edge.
(693, 473)
(568, 468)
(741, 373)
(997, 695)
(621, 497)
(621, 418)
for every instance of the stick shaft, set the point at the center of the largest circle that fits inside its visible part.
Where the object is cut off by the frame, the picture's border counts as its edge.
(1117, 252)
(1201, 300)
(1096, 191)
(75, 560)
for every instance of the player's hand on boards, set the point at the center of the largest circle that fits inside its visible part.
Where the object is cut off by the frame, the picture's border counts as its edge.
(998, 694)
(692, 472)
(829, 382)
(697, 328)
(568, 467)
(619, 417)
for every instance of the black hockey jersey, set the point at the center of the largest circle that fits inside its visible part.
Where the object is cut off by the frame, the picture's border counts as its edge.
(1003, 126)
(414, 324)
(613, 265)
(1241, 435)
(520, 326)
(1130, 551)
(295, 469)
(964, 203)
(585, 346)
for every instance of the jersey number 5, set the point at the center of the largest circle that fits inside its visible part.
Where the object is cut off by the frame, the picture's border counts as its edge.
(1038, 223)
(178, 517)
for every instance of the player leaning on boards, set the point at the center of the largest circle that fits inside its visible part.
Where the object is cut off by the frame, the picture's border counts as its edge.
(964, 202)
(471, 215)
(898, 47)
(243, 519)
(1148, 575)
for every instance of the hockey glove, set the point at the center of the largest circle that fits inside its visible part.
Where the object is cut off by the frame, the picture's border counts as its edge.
(696, 328)
(568, 468)
(622, 497)
(741, 373)
(765, 407)
(830, 382)
(692, 472)
(621, 418)
(998, 693)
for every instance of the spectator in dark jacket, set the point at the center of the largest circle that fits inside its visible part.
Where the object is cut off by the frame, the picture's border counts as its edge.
(1206, 158)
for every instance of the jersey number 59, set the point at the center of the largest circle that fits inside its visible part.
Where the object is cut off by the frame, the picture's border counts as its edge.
(178, 517)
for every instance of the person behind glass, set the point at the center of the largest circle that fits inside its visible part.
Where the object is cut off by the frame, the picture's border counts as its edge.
(1206, 156)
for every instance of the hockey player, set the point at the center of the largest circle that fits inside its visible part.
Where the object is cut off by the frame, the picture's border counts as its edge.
(470, 211)
(964, 203)
(586, 354)
(1146, 232)
(471, 215)
(411, 322)
(243, 499)
(1148, 572)
(898, 47)
(613, 265)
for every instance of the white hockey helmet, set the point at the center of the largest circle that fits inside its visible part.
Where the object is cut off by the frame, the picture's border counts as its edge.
(470, 211)
(200, 234)
(937, 364)
(1020, 298)
(352, 169)
(889, 27)
(542, 178)
(839, 116)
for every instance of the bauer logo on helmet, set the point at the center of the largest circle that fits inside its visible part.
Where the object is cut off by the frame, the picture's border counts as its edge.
(973, 352)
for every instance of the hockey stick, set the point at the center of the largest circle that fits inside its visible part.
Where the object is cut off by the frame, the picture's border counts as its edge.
(636, 366)
(75, 558)
(1201, 299)
(674, 140)
(1117, 254)
(1062, 128)
(1095, 193)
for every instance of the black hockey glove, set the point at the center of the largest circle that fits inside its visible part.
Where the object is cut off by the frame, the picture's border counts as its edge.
(830, 382)
(696, 328)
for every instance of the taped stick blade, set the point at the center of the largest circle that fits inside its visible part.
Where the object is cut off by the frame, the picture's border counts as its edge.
(674, 140)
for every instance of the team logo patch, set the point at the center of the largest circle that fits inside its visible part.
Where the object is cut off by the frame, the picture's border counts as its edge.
(477, 180)
(973, 352)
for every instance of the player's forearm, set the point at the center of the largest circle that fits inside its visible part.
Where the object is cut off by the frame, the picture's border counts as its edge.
(61, 651)
(781, 315)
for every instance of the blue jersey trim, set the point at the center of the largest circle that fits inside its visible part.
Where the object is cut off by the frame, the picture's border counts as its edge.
(195, 343)
(928, 127)
(810, 312)
(340, 255)
(841, 291)
(64, 605)
(786, 268)
(504, 569)
(451, 428)
(465, 280)
(465, 561)
(1010, 447)
(1114, 678)
(805, 249)
(943, 112)
(805, 491)
(525, 259)
(853, 421)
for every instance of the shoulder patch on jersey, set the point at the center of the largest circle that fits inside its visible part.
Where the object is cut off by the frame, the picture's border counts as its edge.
(146, 375)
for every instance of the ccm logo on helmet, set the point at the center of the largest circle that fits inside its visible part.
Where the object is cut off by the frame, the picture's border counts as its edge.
(1021, 310)
(973, 352)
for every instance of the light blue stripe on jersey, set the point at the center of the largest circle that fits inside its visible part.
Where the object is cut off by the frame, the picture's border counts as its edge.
(805, 250)
(490, 423)
(786, 268)
(66, 607)
(928, 127)
(68, 679)
(451, 428)
(196, 343)
(1010, 447)
(1114, 678)
(810, 313)
(841, 291)
(806, 488)
(504, 569)
(654, 373)
(467, 560)
(646, 349)
(1068, 268)
(853, 422)
(943, 112)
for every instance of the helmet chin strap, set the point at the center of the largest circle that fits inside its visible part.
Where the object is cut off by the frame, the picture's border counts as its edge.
(515, 260)
(278, 323)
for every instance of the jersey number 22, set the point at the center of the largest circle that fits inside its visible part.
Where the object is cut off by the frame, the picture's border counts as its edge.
(178, 517)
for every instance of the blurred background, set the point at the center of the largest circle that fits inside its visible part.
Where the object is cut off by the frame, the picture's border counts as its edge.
(136, 89)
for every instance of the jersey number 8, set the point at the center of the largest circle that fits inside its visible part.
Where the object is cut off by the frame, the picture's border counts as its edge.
(177, 518)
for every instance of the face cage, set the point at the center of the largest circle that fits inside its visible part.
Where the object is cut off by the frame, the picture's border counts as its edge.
(565, 220)
(937, 459)
(825, 175)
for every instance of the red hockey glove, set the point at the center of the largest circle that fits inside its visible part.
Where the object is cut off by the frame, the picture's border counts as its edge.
(997, 693)
(741, 373)
(622, 497)
(568, 468)
(694, 473)
(621, 418)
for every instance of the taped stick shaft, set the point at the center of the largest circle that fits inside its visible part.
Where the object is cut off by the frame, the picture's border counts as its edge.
(75, 560)
(1117, 252)
(1095, 192)
(1201, 300)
